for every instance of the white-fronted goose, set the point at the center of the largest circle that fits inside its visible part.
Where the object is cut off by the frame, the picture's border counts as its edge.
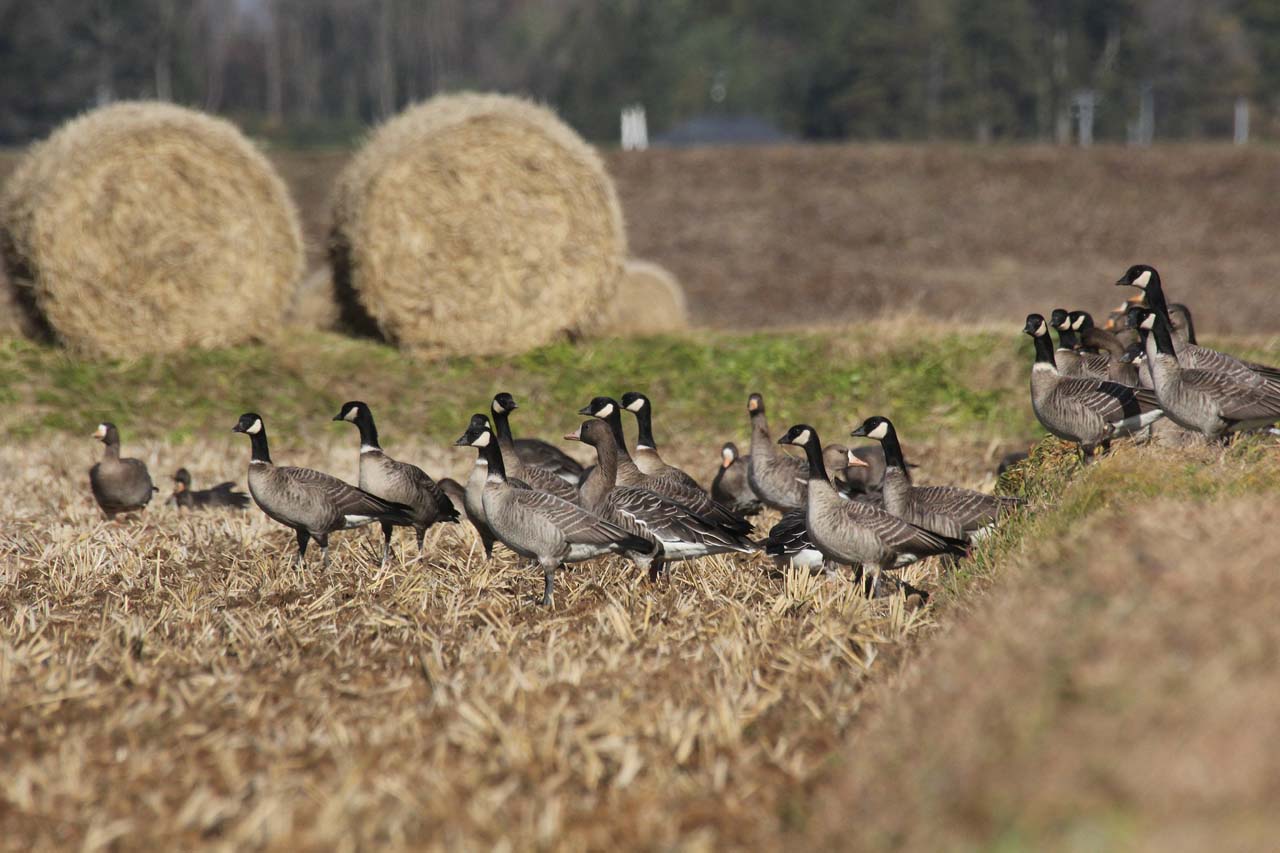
(538, 525)
(311, 503)
(538, 478)
(948, 510)
(729, 487)
(221, 495)
(855, 533)
(777, 478)
(398, 482)
(1089, 412)
(675, 487)
(1206, 401)
(680, 532)
(118, 485)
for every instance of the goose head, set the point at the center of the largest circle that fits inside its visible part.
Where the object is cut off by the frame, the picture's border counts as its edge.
(728, 454)
(107, 433)
(600, 407)
(634, 401)
(800, 435)
(593, 433)
(503, 403)
(478, 433)
(250, 423)
(181, 480)
(1081, 320)
(1035, 326)
(755, 404)
(875, 427)
(1140, 276)
(351, 411)
(1060, 319)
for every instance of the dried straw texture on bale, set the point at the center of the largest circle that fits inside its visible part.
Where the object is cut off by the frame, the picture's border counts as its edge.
(146, 227)
(314, 304)
(476, 224)
(649, 301)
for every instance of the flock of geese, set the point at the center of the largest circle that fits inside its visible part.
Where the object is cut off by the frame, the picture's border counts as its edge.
(840, 506)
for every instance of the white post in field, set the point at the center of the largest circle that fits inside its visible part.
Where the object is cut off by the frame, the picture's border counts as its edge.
(635, 130)
(1242, 121)
(1146, 115)
(1084, 102)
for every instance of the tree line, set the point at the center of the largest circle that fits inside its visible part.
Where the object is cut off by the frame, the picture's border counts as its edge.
(320, 71)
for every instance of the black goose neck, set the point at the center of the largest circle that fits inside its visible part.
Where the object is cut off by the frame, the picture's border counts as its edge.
(492, 454)
(893, 450)
(1044, 350)
(1154, 293)
(502, 423)
(615, 426)
(1164, 337)
(644, 424)
(368, 429)
(1067, 339)
(258, 441)
(813, 452)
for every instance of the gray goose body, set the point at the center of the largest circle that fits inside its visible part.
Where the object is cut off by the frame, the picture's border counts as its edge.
(778, 479)
(118, 485)
(681, 533)
(223, 495)
(729, 487)
(396, 481)
(1206, 401)
(1088, 412)
(540, 526)
(855, 533)
(948, 510)
(676, 486)
(473, 502)
(537, 478)
(310, 502)
(536, 453)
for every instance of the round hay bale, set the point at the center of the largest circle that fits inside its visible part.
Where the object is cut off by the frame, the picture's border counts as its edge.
(649, 301)
(146, 227)
(315, 303)
(475, 224)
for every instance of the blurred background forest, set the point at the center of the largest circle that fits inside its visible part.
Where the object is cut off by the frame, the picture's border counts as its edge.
(315, 72)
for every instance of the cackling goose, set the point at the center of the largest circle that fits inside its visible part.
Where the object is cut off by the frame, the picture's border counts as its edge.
(543, 479)
(118, 485)
(221, 495)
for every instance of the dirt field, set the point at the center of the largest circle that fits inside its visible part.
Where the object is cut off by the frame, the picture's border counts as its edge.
(804, 235)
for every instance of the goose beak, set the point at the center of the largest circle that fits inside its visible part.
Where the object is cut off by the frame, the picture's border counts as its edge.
(339, 417)
(463, 441)
(585, 410)
(726, 460)
(860, 432)
(573, 436)
(856, 461)
(783, 440)
(99, 433)
(237, 428)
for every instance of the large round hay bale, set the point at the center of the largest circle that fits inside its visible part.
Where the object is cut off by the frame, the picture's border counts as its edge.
(649, 301)
(476, 224)
(146, 227)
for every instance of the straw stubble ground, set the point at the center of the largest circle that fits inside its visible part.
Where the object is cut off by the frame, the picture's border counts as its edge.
(174, 679)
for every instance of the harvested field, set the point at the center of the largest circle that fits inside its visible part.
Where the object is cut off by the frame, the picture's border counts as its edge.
(804, 235)
(173, 681)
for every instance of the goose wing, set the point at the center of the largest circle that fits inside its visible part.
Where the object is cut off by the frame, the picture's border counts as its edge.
(422, 482)
(578, 525)
(971, 508)
(789, 536)
(898, 535)
(692, 497)
(348, 500)
(667, 520)
(540, 454)
(1236, 401)
(543, 480)
(1111, 400)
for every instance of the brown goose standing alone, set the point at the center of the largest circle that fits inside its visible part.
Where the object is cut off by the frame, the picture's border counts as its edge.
(311, 503)
(118, 485)
(221, 495)
(391, 480)
(730, 486)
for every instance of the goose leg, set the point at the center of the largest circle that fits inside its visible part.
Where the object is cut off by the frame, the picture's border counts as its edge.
(323, 542)
(422, 534)
(548, 582)
(303, 538)
(386, 543)
(656, 568)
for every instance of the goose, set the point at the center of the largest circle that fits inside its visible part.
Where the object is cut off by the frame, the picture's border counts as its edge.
(311, 503)
(538, 525)
(118, 485)
(539, 478)
(675, 487)
(856, 471)
(221, 495)
(1147, 279)
(1089, 412)
(729, 487)
(678, 532)
(948, 510)
(777, 478)
(1065, 356)
(398, 482)
(473, 492)
(1206, 401)
(646, 455)
(855, 533)
(534, 452)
